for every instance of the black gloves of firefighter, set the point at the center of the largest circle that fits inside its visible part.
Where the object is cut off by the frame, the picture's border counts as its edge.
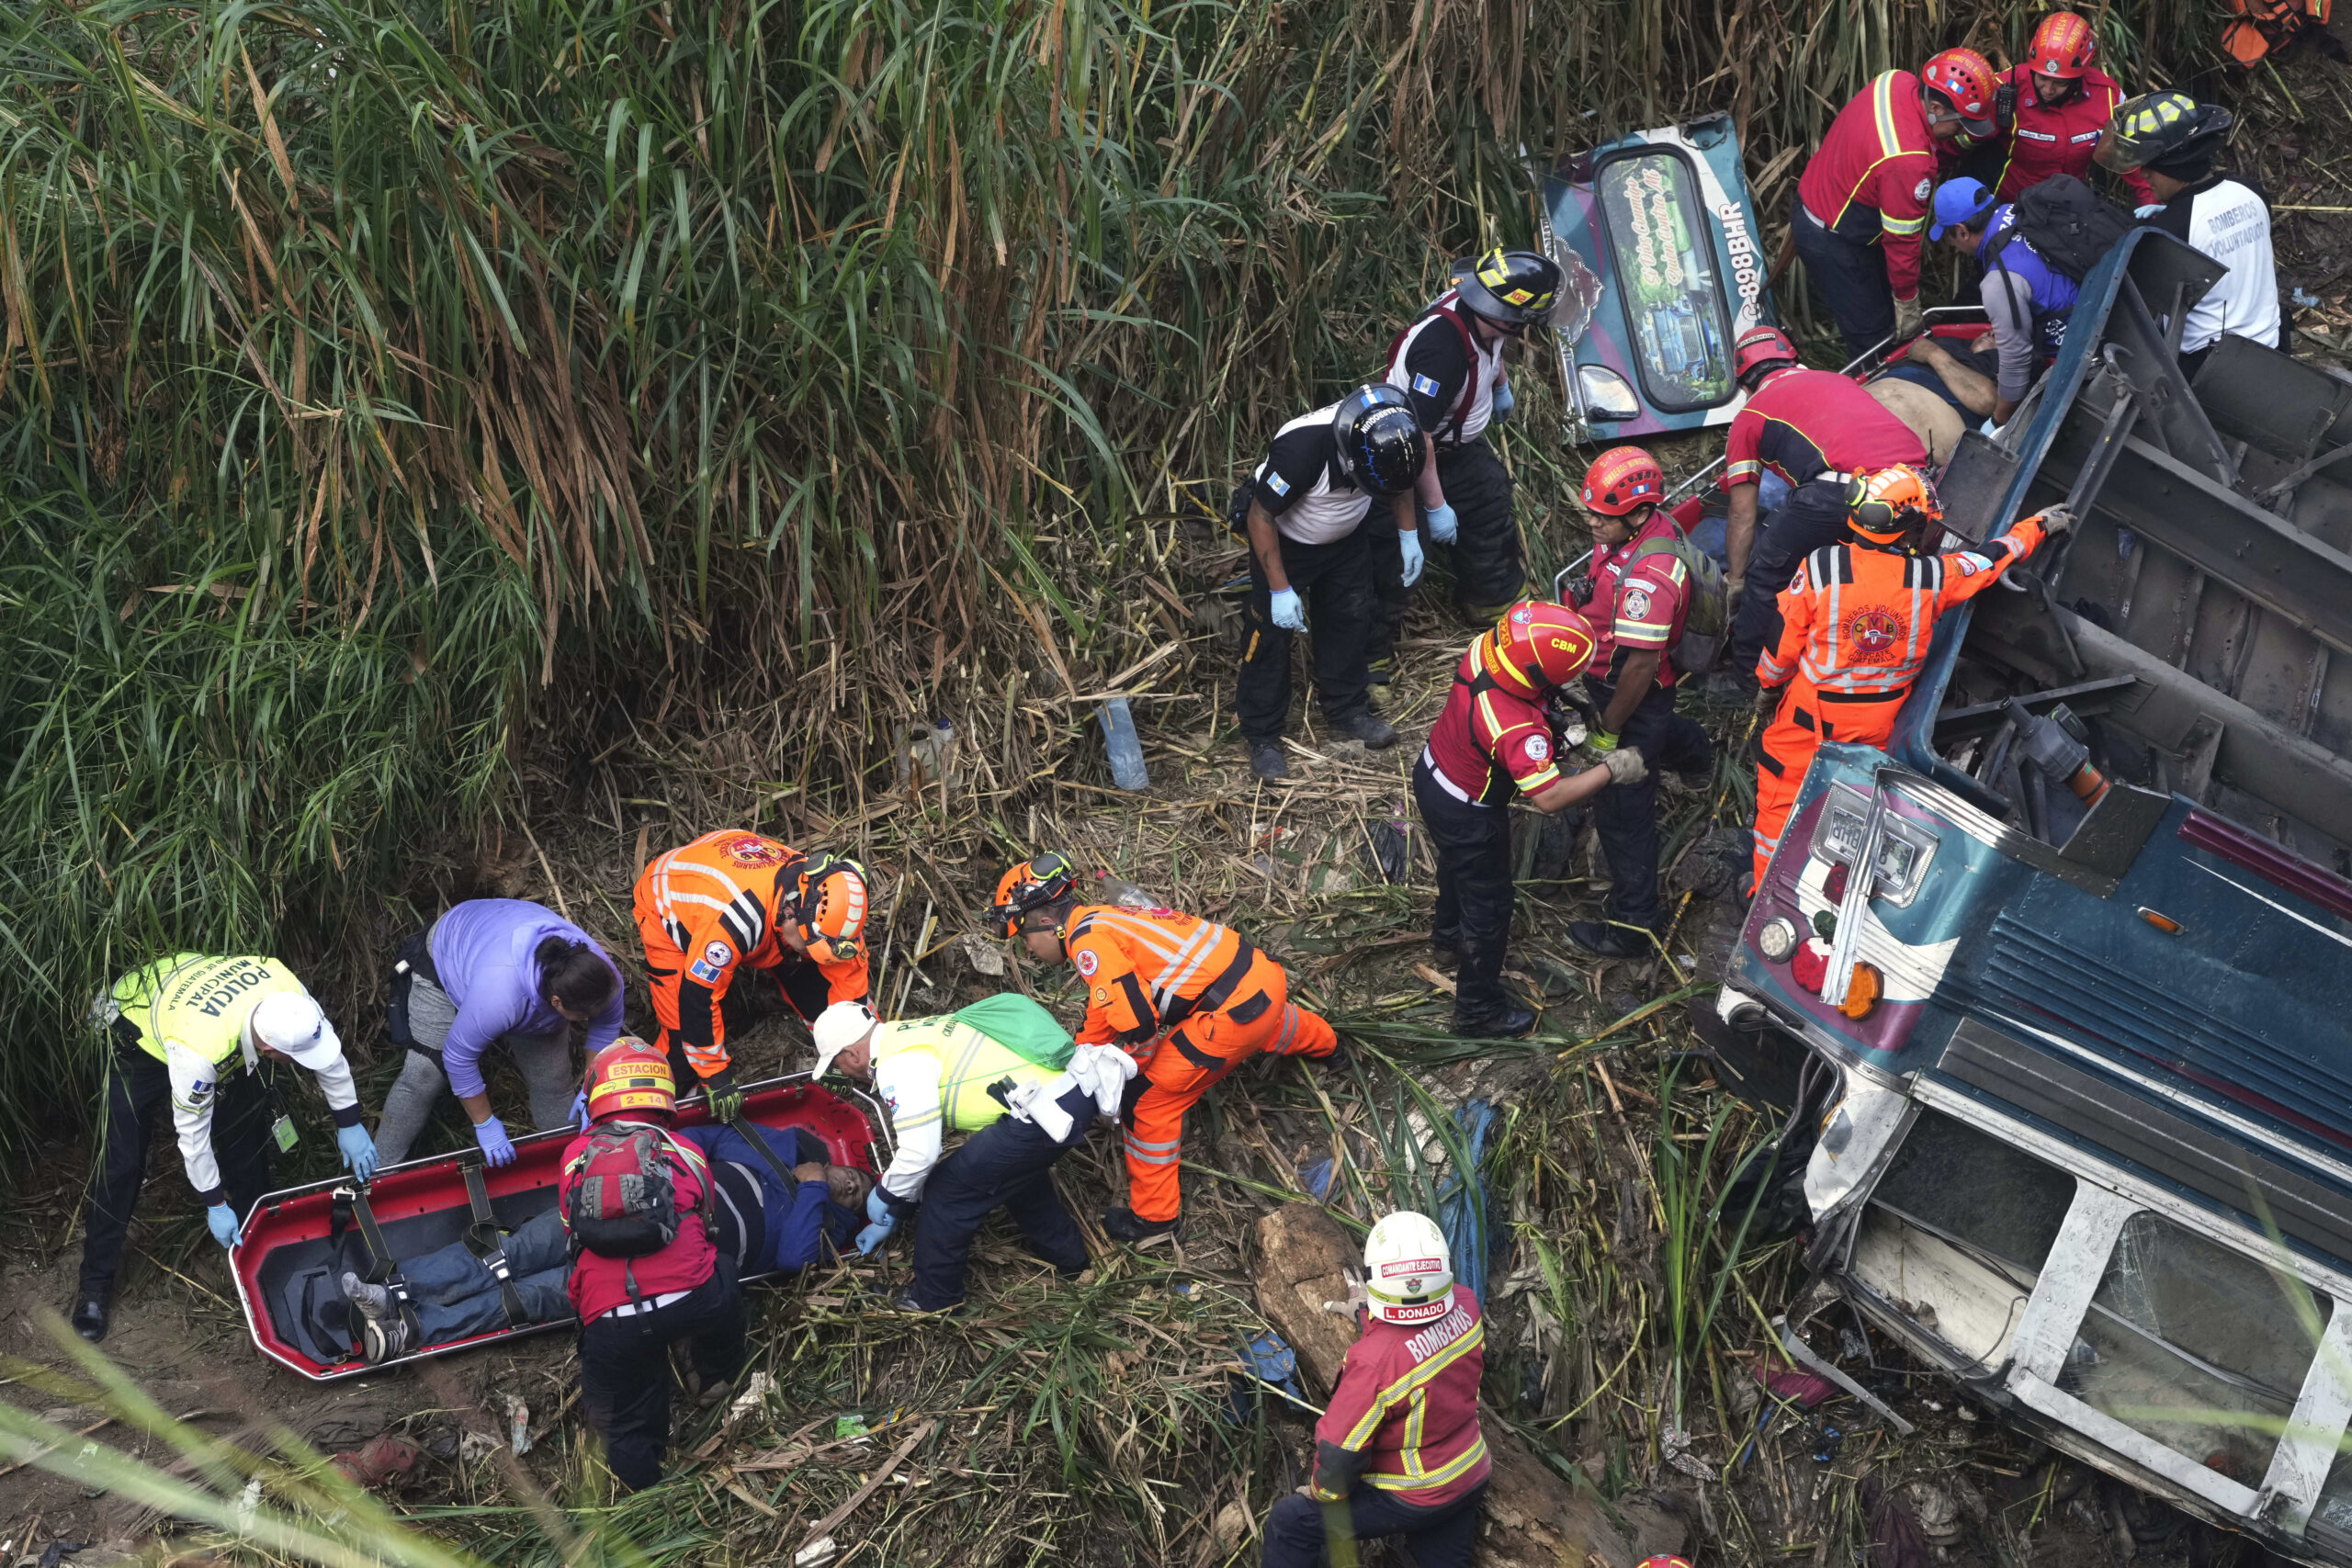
(726, 1096)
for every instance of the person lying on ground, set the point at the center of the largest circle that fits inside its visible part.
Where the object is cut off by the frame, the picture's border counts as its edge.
(756, 1221)
(1962, 378)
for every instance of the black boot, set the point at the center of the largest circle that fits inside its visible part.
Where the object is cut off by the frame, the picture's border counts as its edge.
(90, 1316)
(1124, 1225)
(1506, 1023)
(1611, 939)
(1266, 760)
(1376, 733)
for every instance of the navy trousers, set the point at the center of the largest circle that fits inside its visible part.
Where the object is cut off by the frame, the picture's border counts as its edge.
(1625, 815)
(1299, 1529)
(1006, 1165)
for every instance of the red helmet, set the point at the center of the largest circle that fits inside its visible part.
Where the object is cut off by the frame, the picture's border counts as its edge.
(1622, 478)
(630, 1075)
(1760, 349)
(1538, 645)
(1967, 78)
(2063, 46)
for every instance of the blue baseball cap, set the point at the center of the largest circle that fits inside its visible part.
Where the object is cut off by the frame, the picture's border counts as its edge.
(1960, 203)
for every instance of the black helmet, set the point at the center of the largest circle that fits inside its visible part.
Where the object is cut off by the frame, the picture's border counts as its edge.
(2159, 128)
(1515, 287)
(1379, 437)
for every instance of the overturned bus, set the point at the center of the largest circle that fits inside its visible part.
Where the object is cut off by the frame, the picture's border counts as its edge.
(2059, 982)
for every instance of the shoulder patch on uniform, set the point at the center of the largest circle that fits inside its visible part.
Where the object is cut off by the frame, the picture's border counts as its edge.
(1536, 748)
(1637, 603)
(1088, 962)
(718, 953)
(750, 851)
(1922, 188)
(1278, 484)
(706, 973)
(1102, 996)
(1425, 385)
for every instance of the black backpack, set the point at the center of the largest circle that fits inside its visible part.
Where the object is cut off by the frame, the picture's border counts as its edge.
(2067, 224)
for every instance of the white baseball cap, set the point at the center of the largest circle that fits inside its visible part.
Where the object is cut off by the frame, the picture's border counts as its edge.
(292, 1022)
(837, 1028)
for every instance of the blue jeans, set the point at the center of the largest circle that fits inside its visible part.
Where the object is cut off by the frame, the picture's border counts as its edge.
(456, 1295)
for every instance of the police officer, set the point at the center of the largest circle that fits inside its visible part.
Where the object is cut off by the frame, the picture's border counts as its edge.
(181, 1029)
(1450, 361)
(2177, 143)
(1494, 742)
(2025, 299)
(1311, 531)
(1640, 595)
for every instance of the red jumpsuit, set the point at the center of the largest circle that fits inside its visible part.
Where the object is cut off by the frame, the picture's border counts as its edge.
(1874, 172)
(1857, 624)
(1190, 1001)
(2059, 139)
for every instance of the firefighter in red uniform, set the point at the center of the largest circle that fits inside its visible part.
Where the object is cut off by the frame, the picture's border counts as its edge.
(1866, 191)
(733, 900)
(1639, 591)
(1187, 998)
(1493, 741)
(634, 1304)
(2051, 110)
(1858, 622)
(1399, 1450)
(1815, 429)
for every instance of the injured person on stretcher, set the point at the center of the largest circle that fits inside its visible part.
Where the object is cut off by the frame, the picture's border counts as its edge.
(764, 1224)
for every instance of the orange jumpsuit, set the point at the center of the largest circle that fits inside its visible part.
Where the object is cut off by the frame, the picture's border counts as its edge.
(1190, 1001)
(1856, 625)
(712, 907)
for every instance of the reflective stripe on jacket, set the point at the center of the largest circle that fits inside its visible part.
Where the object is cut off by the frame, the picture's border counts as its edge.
(1405, 1416)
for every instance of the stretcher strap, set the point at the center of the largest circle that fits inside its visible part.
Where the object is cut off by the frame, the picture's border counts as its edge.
(381, 1267)
(484, 1242)
(750, 1132)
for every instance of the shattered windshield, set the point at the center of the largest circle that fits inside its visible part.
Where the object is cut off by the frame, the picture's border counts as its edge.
(1660, 244)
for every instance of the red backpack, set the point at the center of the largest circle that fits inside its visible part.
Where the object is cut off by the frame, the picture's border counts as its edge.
(623, 1202)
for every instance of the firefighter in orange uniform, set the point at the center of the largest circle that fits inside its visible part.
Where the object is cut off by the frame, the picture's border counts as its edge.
(1857, 622)
(1187, 998)
(732, 901)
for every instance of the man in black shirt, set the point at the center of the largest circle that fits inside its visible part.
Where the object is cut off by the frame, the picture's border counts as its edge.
(1305, 514)
(1450, 362)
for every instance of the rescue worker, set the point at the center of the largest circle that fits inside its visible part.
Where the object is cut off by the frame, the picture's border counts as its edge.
(949, 1074)
(2050, 111)
(493, 970)
(2176, 141)
(1858, 621)
(1450, 362)
(758, 1221)
(1309, 523)
(1813, 429)
(1639, 595)
(1493, 741)
(632, 1308)
(2025, 299)
(732, 901)
(1398, 1451)
(1188, 999)
(1863, 199)
(177, 1030)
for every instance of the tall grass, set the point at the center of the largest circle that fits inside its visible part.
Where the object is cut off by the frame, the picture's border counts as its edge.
(366, 364)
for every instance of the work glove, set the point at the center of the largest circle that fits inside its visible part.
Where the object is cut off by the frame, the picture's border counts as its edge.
(1734, 591)
(1910, 318)
(497, 1146)
(224, 1220)
(1444, 525)
(1581, 591)
(2057, 520)
(358, 1151)
(883, 1222)
(1625, 766)
(1039, 1104)
(579, 1110)
(1601, 740)
(1288, 612)
(1504, 401)
(723, 1095)
(1412, 546)
(2148, 210)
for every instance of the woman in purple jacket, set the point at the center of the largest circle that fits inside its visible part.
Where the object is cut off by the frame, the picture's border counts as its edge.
(492, 970)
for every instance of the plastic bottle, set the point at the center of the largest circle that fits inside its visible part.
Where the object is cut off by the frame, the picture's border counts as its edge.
(922, 754)
(1110, 889)
(1126, 752)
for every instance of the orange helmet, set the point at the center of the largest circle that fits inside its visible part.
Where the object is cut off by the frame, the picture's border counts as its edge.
(1622, 478)
(2062, 46)
(630, 1075)
(1031, 884)
(1885, 506)
(1967, 78)
(831, 906)
(1538, 645)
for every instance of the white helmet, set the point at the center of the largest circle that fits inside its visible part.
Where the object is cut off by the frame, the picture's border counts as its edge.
(837, 1028)
(291, 1022)
(1408, 1268)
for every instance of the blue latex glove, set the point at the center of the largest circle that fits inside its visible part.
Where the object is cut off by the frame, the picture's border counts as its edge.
(497, 1146)
(885, 1222)
(1504, 401)
(579, 1110)
(878, 1208)
(1990, 431)
(871, 1237)
(1443, 524)
(1288, 613)
(2149, 211)
(358, 1151)
(224, 1220)
(1412, 544)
